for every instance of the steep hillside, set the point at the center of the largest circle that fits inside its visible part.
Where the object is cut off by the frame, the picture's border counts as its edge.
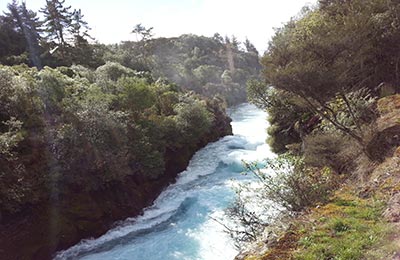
(80, 149)
(208, 66)
(361, 218)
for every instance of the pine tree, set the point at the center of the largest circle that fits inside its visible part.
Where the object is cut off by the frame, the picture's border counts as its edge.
(12, 41)
(29, 25)
(57, 20)
(142, 32)
(250, 47)
(32, 27)
(79, 28)
(218, 38)
(83, 52)
(235, 43)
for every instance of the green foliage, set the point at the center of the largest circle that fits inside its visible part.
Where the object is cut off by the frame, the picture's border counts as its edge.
(167, 102)
(135, 94)
(192, 118)
(284, 184)
(288, 116)
(290, 183)
(248, 225)
(347, 233)
(207, 66)
(19, 110)
(332, 53)
(208, 74)
(57, 20)
(51, 88)
(12, 42)
(362, 112)
(112, 71)
(142, 32)
(73, 127)
(324, 149)
(10, 138)
(60, 39)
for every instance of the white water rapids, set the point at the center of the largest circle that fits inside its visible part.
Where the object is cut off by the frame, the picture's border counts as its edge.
(179, 225)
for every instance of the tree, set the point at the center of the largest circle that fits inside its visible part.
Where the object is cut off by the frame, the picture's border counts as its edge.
(32, 30)
(230, 54)
(12, 41)
(79, 28)
(135, 94)
(328, 53)
(142, 33)
(57, 20)
(83, 52)
(218, 38)
(235, 42)
(29, 25)
(250, 47)
(285, 113)
(193, 119)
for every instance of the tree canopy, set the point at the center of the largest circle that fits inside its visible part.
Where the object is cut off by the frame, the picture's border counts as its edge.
(333, 50)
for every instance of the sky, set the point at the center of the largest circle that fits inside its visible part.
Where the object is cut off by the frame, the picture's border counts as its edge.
(113, 20)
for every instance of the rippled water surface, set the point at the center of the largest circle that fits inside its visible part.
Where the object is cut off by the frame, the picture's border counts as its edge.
(179, 224)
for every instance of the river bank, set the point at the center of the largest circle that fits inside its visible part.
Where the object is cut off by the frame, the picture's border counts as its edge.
(181, 224)
(43, 229)
(361, 218)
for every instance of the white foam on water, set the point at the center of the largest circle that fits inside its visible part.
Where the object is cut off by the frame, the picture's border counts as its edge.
(179, 224)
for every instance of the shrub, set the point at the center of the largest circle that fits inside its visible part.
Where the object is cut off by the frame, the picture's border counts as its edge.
(135, 94)
(246, 225)
(113, 71)
(285, 111)
(193, 119)
(76, 128)
(288, 182)
(285, 185)
(324, 149)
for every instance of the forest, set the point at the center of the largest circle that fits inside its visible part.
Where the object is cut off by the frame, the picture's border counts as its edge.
(115, 122)
(210, 66)
(145, 90)
(92, 133)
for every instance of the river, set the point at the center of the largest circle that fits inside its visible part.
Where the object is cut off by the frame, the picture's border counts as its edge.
(180, 224)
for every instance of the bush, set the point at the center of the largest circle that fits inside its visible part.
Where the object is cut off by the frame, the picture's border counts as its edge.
(288, 182)
(193, 119)
(75, 128)
(324, 149)
(285, 111)
(135, 94)
(285, 185)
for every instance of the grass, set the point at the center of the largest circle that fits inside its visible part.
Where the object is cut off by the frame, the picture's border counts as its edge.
(349, 226)
(346, 228)
(342, 229)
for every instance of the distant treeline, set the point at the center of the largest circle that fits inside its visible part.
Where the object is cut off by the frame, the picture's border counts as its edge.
(210, 66)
